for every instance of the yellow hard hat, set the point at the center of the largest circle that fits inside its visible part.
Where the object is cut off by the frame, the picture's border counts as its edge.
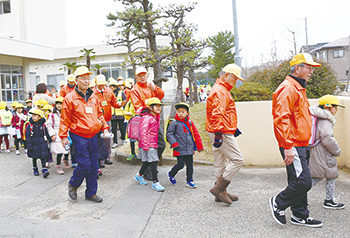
(153, 101)
(303, 58)
(19, 105)
(3, 105)
(14, 104)
(71, 78)
(233, 69)
(110, 79)
(92, 84)
(329, 100)
(101, 80)
(140, 70)
(81, 71)
(113, 82)
(120, 83)
(28, 100)
(182, 105)
(62, 83)
(36, 112)
(59, 99)
(47, 107)
(120, 78)
(41, 102)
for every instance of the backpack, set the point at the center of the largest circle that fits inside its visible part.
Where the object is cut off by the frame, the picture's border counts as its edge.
(312, 141)
(5, 118)
(167, 126)
(133, 128)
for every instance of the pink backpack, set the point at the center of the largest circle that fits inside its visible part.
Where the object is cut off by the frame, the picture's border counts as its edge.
(134, 127)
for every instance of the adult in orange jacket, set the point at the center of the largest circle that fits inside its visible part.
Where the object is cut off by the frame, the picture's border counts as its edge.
(221, 123)
(69, 87)
(108, 100)
(292, 127)
(82, 116)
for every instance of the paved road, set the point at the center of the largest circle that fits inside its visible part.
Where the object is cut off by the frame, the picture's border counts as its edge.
(36, 207)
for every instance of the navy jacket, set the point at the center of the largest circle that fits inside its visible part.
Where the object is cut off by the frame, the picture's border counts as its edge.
(36, 143)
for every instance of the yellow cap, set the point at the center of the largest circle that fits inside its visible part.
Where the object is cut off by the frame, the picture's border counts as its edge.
(233, 69)
(71, 78)
(81, 71)
(41, 102)
(182, 105)
(14, 104)
(62, 83)
(36, 112)
(303, 58)
(101, 80)
(329, 100)
(59, 99)
(140, 70)
(153, 101)
(92, 84)
(110, 79)
(120, 78)
(28, 100)
(3, 105)
(47, 107)
(113, 82)
(19, 105)
(119, 83)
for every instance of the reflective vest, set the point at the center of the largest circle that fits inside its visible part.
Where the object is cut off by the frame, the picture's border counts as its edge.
(119, 111)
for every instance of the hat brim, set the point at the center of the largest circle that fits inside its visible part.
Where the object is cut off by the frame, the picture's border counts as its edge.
(339, 105)
(313, 64)
(101, 83)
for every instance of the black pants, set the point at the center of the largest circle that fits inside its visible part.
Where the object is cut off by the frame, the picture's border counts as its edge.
(153, 166)
(43, 161)
(115, 124)
(132, 147)
(299, 183)
(181, 161)
(17, 143)
(58, 158)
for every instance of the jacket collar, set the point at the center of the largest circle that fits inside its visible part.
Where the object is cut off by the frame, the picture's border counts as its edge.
(295, 82)
(223, 83)
(183, 120)
(88, 93)
(301, 81)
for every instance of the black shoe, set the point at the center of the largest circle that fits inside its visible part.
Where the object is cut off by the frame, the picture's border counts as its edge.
(108, 161)
(72, 192)
(309, 222)
(330, 204)
(94, 198)
(277, 214)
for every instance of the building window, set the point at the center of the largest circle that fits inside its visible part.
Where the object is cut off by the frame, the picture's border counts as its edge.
(12, 86)
(53, 81)
(338, 53)
(110, 70)
(5, 7)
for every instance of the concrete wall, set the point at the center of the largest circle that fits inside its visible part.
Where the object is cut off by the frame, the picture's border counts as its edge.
(258, 144)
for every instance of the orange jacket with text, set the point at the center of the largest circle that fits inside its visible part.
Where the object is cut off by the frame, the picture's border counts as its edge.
(108, 100)
(81, 117)
(221, 109)
(65, 90)
(140, 92)
(291, 116)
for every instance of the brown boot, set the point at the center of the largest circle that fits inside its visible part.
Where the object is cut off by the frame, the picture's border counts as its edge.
(66, 164)
(232, 197)
(72, 192)
(219, 190)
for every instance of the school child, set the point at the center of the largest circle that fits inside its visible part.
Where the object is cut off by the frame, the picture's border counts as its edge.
(324, 149)
(148, 143)
(184, 138)
(53, 125)
(18, 120)
(36, 132)
(129, 112)
(47, 110)
(13, 105)
(6, 118)
(28, 104)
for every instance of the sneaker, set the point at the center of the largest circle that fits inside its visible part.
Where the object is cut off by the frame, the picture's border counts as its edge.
(330, 204)
(74, 165)
(17, 152)
(26, 151)
(191, 184)
(99, 172)
(171, 179)
(310, 222)
(140, 179)
(278, 215)
(36, 171)
(115, 145)
(45, 172)
(7, 151)
(66, 164)
(2, 151)
(108, 161)
(158, 187)
(131, 157)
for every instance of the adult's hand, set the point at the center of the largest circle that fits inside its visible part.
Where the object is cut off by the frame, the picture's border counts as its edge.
(105, 132)
(64, 141)
(218, 139)
(151, 86)
(288, 156)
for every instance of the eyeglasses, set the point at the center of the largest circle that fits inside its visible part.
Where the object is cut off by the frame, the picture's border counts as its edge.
(309, 67)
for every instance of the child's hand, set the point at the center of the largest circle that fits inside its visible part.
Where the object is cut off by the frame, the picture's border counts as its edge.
(200, 151)
(53, 138)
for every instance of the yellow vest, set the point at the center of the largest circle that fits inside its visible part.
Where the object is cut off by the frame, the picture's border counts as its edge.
(119, 111)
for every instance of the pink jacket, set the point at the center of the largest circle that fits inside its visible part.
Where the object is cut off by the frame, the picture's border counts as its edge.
(148, 130)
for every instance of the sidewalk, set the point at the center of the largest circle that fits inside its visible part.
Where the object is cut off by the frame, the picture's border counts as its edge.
(36, 207)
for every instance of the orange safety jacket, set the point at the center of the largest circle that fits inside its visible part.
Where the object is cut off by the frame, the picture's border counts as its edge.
(140, 92)
(65, 90)
(221, 109)
(127, 93)
(108, 100)
(291, 116)
(81, 117)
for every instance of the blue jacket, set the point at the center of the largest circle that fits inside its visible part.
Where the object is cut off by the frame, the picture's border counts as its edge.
(36, 143)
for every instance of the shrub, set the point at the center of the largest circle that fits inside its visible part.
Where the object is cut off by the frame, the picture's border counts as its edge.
(251, 91)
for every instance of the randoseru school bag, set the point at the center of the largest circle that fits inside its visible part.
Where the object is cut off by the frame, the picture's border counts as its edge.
(134, 127)
(5, 118)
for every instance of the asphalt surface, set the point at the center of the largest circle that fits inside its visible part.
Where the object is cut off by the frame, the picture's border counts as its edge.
(36, 207)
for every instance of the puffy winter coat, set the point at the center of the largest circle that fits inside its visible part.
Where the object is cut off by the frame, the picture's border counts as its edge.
(66, 90)
(221, 109)
(180, 138)
(140, 92)
(291, 115)
(35, 137)
(149, 127)
(53, 126)
(19, 118)
(323, 163)
(107, 100)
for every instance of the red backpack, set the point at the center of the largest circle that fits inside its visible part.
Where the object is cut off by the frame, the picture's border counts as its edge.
(133, 129)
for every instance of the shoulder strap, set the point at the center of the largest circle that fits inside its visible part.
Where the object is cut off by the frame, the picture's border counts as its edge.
(194, 144)
(53, 120)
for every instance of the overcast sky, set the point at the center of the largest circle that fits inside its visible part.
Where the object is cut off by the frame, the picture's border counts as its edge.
(261, 24)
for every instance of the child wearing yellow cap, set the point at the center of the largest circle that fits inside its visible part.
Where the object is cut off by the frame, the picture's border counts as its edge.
(18, 120)
(324, 148)
(6, 118)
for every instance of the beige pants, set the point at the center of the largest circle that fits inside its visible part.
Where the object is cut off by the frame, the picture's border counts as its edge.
(228, 158)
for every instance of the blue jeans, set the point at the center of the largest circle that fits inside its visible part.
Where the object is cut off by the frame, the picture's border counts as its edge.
(86, 155)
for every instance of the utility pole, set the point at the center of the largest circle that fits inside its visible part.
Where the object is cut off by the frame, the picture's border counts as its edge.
(307, 40)
(235, 26)
(348, 71)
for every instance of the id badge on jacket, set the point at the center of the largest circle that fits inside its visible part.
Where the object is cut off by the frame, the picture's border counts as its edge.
(88, 109)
